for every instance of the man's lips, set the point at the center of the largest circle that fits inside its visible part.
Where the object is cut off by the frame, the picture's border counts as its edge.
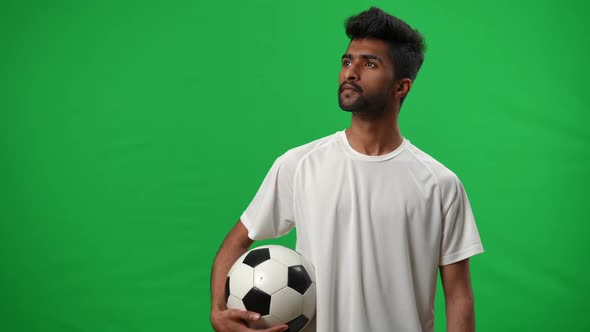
(349, 88)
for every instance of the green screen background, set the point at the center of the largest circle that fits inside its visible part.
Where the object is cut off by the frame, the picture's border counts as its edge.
(134, 134)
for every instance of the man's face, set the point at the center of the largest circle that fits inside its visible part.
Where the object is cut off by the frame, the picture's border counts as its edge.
(366, 81)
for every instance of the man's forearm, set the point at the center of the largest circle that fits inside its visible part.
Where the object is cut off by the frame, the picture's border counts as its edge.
(223, 262)
(235, 244)
(460, 315)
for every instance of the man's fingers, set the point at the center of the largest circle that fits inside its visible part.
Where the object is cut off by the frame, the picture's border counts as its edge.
(251, 316)
(245, 315)
(279, 328)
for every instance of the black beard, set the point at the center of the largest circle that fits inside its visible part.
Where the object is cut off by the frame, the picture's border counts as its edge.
(364, 104)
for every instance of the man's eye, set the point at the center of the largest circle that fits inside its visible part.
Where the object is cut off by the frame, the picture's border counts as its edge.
(371, 64)
(346, 63)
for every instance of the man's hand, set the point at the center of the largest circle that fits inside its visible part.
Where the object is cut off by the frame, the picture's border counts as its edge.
(234, 320)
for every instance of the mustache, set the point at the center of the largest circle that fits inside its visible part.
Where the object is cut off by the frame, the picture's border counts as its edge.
(350, 85)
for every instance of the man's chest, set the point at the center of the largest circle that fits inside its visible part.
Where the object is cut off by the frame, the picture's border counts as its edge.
(384, 198)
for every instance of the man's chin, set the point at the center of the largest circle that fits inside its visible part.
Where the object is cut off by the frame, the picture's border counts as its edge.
(350, 105)
(345, 108)
(362, 105)
(349, 110)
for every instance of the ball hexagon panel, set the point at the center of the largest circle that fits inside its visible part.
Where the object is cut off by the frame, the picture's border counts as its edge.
(237, 263)
(235, 303)
(309, 302)
(270, 276)
(241, 281)
(299, 279)
(257, 256)
(284, 255)
(286, 304)
(258, 301)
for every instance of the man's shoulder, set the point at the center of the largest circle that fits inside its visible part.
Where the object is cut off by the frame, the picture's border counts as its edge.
(294, 155)
(443, 175)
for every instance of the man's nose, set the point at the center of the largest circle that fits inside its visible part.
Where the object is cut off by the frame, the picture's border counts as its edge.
(351, 73)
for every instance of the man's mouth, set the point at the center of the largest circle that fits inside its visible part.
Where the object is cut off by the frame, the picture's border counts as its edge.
(348, 87)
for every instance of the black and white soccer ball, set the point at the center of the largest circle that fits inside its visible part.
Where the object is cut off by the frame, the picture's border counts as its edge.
(276, 282)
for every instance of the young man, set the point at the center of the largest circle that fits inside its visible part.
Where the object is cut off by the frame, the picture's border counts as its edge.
(377, 216)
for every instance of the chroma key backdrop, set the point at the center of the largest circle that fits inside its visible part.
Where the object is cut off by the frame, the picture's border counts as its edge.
(133, 134)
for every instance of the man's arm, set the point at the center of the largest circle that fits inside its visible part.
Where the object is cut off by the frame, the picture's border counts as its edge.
(456, 281)
(235, 244)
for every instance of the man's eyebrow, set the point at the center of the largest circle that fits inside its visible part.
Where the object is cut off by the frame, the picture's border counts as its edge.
(364, 56)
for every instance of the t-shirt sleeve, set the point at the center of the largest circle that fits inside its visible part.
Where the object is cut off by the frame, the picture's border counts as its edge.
(270, 214)
(460, 237)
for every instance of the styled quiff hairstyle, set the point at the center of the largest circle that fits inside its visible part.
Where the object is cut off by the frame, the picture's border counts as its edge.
(406, 44)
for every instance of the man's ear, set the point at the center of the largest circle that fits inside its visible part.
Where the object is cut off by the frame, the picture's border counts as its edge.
(402, 87)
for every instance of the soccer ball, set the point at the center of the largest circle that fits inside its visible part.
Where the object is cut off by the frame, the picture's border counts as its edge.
(276, 282)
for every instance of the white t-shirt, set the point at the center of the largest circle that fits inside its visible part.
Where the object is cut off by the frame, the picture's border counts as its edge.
(376, 229)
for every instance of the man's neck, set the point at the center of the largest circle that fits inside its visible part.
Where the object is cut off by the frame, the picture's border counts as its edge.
(374, 134)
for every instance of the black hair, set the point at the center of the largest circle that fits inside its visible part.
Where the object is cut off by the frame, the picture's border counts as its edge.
(407, 45)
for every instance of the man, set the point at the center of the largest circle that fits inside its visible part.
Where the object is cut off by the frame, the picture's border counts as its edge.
(377, 216)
